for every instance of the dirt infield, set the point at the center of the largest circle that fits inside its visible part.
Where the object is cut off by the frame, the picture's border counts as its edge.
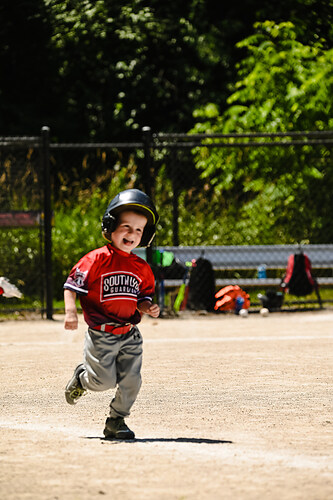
(230, 408)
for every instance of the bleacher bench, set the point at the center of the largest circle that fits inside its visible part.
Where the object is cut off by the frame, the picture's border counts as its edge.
(250, 257)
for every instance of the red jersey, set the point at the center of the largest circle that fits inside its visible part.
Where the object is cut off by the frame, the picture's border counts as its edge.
(110, 284)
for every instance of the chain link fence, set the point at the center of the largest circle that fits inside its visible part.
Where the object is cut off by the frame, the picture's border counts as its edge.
(202, 202)
(22, 220)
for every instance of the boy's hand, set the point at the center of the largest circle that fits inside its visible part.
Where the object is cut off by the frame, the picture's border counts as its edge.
(71, 320)
(149, 308)
(154, 311)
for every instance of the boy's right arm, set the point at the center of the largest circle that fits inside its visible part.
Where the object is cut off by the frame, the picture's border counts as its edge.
(71, 319)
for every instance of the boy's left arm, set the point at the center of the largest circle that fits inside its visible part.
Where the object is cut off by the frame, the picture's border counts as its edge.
(148, 308)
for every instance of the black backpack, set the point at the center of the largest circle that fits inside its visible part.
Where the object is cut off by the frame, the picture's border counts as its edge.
(201, 286)
(299, 280)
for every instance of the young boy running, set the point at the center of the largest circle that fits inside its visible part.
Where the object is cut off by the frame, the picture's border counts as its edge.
(115, 287)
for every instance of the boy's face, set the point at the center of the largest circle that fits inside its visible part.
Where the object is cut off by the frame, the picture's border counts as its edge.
(129, 231)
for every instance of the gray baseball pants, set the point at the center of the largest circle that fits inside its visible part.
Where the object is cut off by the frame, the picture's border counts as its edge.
(113, 361)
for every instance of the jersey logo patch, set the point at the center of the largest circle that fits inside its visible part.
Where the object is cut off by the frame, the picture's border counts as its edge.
(79, 277)
(119, 284)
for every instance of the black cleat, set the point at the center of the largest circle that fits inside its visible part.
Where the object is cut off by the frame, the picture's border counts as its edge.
(74, 389)
(117, 429)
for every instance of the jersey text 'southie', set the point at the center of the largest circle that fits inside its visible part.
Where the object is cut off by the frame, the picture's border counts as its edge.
(110, 283)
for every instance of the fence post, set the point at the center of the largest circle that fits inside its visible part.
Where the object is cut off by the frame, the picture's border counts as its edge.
(175, 199)
(146, 135)
(147, 183)
(45, 133)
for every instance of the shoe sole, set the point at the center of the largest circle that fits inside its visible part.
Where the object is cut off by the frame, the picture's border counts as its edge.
(118, 435)
(68, 393)
(73, 400)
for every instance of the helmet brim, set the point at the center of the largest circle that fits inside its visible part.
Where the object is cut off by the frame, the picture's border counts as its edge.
(136, 207)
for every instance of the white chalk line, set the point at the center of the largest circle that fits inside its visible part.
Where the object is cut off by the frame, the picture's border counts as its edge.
(233, 453)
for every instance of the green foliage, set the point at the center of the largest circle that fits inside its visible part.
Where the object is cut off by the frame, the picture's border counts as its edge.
(284, 85)
(123, 65)
(281, 194)
(202, 216)
(101, 69)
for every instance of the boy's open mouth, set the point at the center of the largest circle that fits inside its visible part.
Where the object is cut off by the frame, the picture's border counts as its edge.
(127, 242)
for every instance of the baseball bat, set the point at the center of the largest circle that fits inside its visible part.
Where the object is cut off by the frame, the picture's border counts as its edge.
(180, 297)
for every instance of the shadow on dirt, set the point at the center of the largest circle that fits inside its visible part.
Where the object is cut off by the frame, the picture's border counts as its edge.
(163, 440)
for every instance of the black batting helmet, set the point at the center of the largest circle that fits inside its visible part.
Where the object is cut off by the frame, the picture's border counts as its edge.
(131, 199)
